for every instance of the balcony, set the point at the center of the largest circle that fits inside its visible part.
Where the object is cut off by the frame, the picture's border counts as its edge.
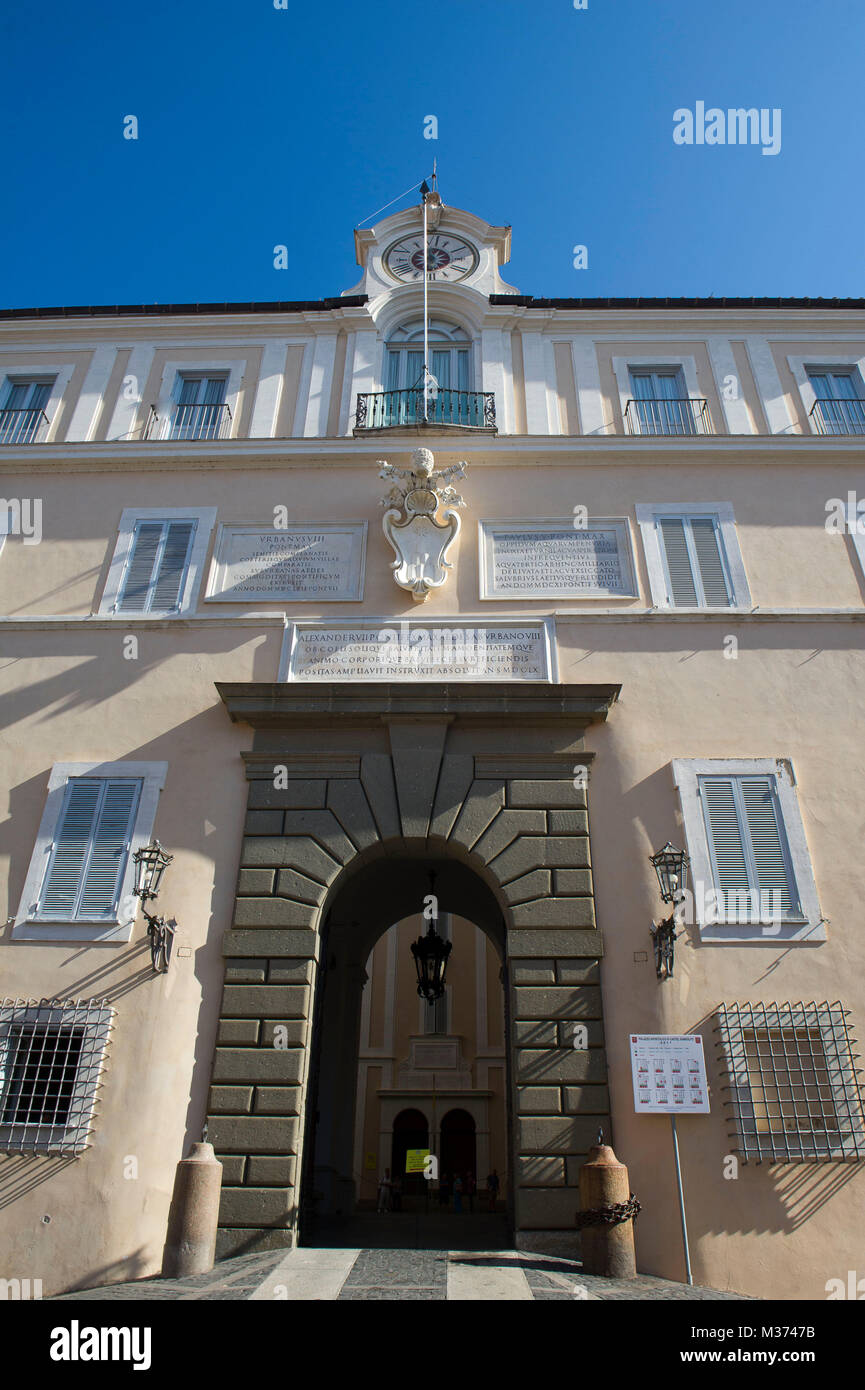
(679, 415)
(190, 422)
(22, 426)
(833, 416)
(445, 409)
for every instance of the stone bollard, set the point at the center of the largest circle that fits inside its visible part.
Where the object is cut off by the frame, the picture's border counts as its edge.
(608, 1249)
(190, 1243)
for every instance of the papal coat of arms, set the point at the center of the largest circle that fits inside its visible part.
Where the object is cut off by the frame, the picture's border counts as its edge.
(420, 541)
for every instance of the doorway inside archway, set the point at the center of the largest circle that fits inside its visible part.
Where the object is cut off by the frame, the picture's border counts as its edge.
(422, 1090)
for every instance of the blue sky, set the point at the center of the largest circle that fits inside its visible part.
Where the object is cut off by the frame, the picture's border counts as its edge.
(260, 126)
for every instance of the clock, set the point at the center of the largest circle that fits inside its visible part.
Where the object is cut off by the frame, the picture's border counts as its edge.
(449, 258)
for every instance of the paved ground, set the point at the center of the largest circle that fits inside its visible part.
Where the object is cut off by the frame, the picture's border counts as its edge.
(330, 1273)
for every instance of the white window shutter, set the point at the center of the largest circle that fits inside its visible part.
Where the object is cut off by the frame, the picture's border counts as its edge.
(683, 592)
(711, 565)
(173, 565)
(157, 567)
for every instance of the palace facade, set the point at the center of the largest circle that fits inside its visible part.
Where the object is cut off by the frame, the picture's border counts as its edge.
(636, 615)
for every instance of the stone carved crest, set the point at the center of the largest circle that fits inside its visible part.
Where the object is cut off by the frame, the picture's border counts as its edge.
(420, 540)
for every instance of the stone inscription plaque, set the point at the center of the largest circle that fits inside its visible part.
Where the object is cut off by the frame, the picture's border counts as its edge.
(400, 650)
(302, 563)
(554, 559)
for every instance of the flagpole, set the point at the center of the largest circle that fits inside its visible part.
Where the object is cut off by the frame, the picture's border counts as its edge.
(425, 314)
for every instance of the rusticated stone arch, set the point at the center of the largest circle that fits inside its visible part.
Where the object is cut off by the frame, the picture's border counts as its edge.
(474, 775)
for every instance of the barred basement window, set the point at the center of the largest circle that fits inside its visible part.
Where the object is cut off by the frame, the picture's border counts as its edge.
(51, 1056)
(794, 1088)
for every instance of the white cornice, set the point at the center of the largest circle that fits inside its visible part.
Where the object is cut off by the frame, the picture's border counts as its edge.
(566, 616)
(481, 450)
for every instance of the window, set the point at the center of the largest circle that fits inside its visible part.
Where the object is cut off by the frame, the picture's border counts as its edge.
(450, 357)
(661, 404)
(793, 1087)
(79, 885)
(839, 407)
(22, 414)
(51, 1056)
(450, 398)
(693, 557)
(750, 867)
(199, 410)
(88, 856)
(157, 565)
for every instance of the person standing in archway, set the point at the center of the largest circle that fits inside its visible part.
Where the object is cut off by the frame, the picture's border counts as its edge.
(384, 1186)
(458, 1194)
(492, 1189)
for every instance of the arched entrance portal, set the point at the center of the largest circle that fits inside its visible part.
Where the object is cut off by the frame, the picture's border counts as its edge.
(356, 792)
(419, 1075)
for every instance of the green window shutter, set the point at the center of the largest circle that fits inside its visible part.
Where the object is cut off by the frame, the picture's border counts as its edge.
(157, 567)
(747, 845)
(91, 847)
(724, 830)
(682, 590)
(71, 846)
(767, 846)
(710, 562)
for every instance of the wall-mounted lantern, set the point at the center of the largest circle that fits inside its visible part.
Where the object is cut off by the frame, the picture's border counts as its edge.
(671, 866)
(150, 864)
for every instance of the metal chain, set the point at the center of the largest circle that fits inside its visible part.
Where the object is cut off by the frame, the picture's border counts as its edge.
(610, 1215)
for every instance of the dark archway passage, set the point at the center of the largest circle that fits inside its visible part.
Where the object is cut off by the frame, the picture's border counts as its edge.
(385, 886)
(459, 1145)
(410, 1131)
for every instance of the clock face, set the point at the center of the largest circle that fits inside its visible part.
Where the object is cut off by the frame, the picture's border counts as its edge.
(449, 258)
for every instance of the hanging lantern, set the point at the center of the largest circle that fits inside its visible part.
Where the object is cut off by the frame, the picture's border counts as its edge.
(431, 957)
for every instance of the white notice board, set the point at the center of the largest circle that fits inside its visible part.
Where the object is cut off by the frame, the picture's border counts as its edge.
(669, 1074)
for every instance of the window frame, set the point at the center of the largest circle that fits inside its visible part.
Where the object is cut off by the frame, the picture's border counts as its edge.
(809, 924)
(95, 1018)
(61, 374)
(801, 368)
(648, 515)
(205, 519)
(686, 366)
(233, 369)
(29, 926)
(837, 1044)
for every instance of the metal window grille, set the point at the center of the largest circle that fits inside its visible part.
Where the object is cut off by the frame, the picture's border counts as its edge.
(51, 1059)
(793, 1085)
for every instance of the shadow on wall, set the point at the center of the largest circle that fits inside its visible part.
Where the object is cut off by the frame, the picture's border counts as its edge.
(95, 679)
(21, 1173)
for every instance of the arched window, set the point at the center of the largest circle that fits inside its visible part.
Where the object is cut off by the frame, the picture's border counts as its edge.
(450, 357)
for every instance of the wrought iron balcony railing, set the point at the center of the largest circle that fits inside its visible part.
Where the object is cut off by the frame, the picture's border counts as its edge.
(832, 416)
(681, 415)
(383, 410)
(190, 422)
(22, 426)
